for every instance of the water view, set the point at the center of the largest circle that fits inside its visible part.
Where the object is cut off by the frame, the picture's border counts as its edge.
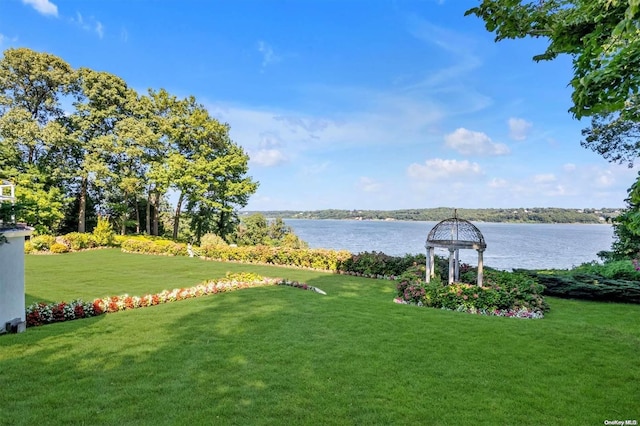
(509, 245)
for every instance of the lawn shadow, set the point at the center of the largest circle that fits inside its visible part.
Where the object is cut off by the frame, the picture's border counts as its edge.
(30, 299)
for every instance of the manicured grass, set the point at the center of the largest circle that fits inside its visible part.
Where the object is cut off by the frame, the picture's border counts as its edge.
(276, 355)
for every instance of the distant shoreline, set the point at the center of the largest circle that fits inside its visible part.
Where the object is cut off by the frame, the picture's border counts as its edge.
(547, 215)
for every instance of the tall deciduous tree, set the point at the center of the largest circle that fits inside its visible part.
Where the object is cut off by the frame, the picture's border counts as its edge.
(616, 139)
(603, 39)
(226, 188)
(102, 103)
(113, 151)
(32, 139)
(601, 36)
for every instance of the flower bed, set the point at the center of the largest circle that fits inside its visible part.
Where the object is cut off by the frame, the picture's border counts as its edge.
(513, 313)
(504, 294)
(47, 313)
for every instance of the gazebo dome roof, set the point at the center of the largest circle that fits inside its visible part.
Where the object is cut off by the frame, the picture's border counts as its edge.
(456, 233)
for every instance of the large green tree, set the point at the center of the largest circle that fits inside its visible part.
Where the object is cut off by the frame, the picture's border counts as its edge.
(601, 36)
(32, 138)
(111, 151)
(225, 188)
(103, 102)
(603, 39)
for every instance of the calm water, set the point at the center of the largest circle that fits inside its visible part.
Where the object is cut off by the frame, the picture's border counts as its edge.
(529, 246)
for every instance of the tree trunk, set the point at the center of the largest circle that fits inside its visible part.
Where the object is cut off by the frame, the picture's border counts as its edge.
(123, 228)
(148, 212)
(137, 216)
(82, 210)
(176, 218)
(156, 212)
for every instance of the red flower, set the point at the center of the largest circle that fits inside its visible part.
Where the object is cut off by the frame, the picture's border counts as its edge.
(79, 311)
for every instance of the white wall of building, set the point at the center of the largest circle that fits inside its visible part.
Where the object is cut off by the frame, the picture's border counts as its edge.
(12, 289)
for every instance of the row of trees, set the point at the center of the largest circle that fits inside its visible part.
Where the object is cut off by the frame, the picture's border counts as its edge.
(602, 39)
(79, 143)
(529, 215)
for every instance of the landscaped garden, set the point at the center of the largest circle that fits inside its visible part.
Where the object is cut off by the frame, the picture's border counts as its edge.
(270, 354)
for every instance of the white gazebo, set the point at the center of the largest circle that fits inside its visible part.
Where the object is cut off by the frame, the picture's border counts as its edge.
(454, 234)
(12, 290)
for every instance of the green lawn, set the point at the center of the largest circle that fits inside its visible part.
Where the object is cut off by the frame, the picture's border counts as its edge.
(275, 355)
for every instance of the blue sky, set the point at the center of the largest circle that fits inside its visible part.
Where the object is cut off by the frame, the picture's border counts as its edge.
(348, 104)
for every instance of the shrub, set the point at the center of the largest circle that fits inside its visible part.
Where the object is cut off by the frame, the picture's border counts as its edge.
(380, 264)
(212, 240)
(28, 247)
(503, 291)
(157, 246)
(323, 259)
(42, 242)
(621, 269)
(567, 284)
(79, 241)
(103, 232)
(59, 248)
(118, 240)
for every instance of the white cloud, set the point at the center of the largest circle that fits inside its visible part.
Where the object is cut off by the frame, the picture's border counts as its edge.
(468, 142)
(315, 169)
(441, 170)
(269, 140)
(268, 55)
(572, 185)
(519, 128)
(90, 24)
(268, 157)
(367, 184)
(99, 29)
(397, 120)
(498, 183)
(544, 178)
(44, 7)
(458, 46)
(604, 179)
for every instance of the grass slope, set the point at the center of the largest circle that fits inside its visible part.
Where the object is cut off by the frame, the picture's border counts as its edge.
(277, 354)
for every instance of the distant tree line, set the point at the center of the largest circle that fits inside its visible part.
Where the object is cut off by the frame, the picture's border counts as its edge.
(514, 215)
(80, 143)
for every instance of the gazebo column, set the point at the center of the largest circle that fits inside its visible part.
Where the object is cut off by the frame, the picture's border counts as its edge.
(451, 268)
(432, 261)
(428, 266)
(480, 264)
(456, 277)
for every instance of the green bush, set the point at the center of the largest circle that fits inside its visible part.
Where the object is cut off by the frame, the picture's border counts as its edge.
(380, 264)
(103, 233)
(79, 241)
(156, 246)
(577, 285)
(620, 269)
(212, 240)
(58, 248)
(118, 240)
(501, 291)
(42, 242)
(28, 247)
(323, 259)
